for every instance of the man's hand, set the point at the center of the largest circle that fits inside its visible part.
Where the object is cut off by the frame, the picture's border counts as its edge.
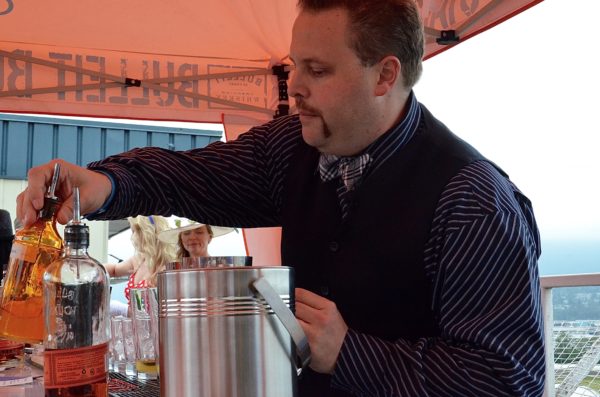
(324, 327)
(94, 189)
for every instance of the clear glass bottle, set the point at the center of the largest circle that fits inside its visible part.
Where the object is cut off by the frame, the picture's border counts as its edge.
(33, 250)
(77, 318)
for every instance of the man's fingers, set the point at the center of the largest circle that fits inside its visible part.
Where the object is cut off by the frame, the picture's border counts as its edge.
(310, 298)
(20, 209)
(313, 308)
(94, 189)
(26, 211)
(31, 200)
(324, 327)
(38, 180)
(304, 312)
(65, 213)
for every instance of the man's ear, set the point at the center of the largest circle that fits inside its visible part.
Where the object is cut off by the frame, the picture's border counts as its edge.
(389, 74)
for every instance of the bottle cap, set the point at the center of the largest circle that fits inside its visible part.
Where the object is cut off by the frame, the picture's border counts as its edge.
(77, 234)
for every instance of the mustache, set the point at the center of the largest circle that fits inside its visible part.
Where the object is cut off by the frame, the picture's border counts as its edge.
(302, 106)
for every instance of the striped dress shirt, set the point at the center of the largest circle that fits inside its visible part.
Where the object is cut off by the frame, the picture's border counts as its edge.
(481, 258)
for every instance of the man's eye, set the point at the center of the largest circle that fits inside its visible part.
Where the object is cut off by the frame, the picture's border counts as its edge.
(317, 72)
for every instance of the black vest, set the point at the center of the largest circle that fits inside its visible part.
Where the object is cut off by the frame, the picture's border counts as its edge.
(371, 263)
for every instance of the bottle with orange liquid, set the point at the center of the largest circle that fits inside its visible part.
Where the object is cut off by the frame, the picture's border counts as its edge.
(33, 249)
(77, 296)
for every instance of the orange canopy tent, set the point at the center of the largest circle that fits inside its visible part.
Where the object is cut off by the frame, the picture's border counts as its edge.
(205, 61)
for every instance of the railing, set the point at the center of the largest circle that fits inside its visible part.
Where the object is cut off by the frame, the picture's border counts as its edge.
(564, 378)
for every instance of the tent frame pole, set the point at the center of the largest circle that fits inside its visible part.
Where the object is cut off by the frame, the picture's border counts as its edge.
(119, 81)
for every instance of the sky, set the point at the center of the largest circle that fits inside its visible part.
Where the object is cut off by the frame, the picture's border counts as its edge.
(526, 94)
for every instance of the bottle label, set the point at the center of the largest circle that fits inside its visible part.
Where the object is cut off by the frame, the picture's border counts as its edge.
(23, 253)
(76, 308)
(75, 367)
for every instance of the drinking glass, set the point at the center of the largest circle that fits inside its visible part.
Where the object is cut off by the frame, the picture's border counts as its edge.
(117, 350)
(129, 347)
(145, 334)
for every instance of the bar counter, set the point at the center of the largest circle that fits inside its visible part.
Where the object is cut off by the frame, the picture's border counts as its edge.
(119, 386)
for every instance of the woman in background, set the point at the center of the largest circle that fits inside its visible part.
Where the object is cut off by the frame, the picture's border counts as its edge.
(151, 254)
(192, 238)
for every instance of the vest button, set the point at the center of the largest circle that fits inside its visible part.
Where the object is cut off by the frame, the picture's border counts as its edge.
(334, 246)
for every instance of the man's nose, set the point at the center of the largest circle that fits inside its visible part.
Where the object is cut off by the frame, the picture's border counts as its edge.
(296, 87)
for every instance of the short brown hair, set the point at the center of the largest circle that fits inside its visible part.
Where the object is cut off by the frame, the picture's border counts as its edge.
(379, 28)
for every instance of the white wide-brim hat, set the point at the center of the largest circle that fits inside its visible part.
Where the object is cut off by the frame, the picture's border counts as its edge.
(171, 236)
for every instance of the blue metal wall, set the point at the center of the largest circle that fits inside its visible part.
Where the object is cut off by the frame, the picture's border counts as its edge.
(27, 141)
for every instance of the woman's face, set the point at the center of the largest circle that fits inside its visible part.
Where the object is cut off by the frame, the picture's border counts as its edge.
(196, 241)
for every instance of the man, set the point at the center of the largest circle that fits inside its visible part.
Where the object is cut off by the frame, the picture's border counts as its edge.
(415, 257)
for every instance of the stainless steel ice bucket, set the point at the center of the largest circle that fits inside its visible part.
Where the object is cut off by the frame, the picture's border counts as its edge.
(229, 332)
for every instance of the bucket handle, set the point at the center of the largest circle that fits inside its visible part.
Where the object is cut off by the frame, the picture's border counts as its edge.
(287, 318)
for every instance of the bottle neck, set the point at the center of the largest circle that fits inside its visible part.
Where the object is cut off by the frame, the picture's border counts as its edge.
(75, 250)
(77, 236)
(48, 212)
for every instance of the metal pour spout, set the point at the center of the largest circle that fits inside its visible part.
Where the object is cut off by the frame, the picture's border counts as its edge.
(52, 188)
(76, 207)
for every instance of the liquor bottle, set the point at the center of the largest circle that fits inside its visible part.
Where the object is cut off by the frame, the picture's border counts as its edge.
(77, 326)
(34, 249)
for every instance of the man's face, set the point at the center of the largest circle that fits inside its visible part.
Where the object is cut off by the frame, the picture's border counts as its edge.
(334, 92)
